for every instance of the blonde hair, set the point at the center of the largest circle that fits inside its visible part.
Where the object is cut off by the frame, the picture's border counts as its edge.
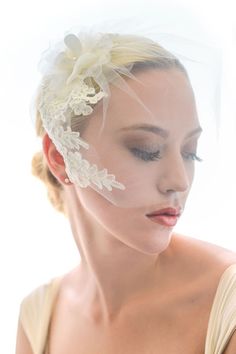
(142, 54)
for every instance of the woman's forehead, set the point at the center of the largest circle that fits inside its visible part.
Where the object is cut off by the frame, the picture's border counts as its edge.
(164, 94)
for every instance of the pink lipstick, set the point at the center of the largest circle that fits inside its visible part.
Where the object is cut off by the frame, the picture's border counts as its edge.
(167, 217)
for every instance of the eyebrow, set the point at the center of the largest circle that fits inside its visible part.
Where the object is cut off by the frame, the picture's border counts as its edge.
(158, 130)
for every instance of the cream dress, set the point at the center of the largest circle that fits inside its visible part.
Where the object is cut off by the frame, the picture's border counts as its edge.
(222, 321)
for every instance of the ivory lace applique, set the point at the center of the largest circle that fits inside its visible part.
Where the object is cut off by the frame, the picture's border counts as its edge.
(63, 94)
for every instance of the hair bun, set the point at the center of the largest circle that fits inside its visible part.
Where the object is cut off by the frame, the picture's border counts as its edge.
(40, 169)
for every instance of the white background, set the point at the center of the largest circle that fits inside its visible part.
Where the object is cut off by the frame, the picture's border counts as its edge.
(36, 242)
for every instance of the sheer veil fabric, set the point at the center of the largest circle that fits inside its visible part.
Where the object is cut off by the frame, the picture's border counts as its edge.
(74, 67)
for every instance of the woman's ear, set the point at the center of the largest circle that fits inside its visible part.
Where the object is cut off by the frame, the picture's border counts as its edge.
(54, 159)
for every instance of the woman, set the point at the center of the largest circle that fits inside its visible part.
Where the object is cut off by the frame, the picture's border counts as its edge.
(119, 127)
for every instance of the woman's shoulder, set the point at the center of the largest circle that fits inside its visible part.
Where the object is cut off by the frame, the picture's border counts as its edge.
(203, 265)
(202, 254)
(211, 271)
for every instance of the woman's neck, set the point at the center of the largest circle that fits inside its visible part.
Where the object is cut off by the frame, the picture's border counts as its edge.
(112, 276)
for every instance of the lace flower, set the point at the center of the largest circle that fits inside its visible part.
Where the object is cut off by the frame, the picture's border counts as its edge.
(65, 91)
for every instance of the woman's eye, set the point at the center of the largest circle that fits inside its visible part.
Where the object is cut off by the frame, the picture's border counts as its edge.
(156, 155)
(146, 155)
(191, 156)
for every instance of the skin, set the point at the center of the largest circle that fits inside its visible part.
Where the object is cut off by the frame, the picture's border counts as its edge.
(135, 273)
(106, 230)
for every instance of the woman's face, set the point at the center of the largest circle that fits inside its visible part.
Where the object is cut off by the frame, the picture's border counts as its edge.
(150, 149)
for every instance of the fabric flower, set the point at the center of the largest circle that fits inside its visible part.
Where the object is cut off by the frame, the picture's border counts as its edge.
(70, 71)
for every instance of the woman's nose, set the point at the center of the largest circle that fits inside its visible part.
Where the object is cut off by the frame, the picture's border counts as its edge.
(175, 176)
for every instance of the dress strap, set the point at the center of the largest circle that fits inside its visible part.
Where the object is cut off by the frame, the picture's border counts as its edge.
(35, 314)
(222, 322)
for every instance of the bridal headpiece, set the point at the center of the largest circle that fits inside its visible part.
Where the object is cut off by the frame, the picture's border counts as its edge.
(67, 90)
(77, 76)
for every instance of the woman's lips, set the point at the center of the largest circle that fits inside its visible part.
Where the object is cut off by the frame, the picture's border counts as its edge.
(167, 217)
(166, 220)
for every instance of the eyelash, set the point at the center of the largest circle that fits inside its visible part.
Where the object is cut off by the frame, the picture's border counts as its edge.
(145, 155)
(154, 156)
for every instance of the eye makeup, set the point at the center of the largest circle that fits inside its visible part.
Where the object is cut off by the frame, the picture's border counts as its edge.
(144, 148)
(146, 155)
